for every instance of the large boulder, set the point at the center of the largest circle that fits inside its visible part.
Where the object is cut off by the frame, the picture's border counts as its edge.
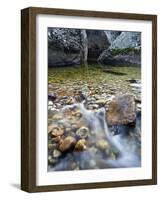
(64, 47)
(125, 57)
(97, 43)
(122, 110)
(125, 49)
(112, 35)
(127, 40)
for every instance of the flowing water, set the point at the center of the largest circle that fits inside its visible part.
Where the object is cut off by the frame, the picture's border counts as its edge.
(79, 112)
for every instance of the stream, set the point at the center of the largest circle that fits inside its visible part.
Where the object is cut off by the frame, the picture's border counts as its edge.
(80, 136)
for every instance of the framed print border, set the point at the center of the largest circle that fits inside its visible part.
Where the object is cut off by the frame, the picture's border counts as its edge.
(28, 98)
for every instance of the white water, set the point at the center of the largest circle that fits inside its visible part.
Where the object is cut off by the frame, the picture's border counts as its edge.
(97, 123)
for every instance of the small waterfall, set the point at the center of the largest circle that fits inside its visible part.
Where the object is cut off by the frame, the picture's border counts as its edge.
(97, 123)
(91, 159)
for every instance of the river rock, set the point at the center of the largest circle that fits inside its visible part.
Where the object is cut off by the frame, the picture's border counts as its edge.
(81, 145)
(101, 102)
(50, 103)
(56, 139)
(67, 143)
(102, 144)
(56, 153)
(139, 107)
(130, 58)
(57, 131)
(50, 128)
(122, 110)
(93, 106)
(52, 146)
(52, 96)
(83, 132)
(127, 39)
(51, 160)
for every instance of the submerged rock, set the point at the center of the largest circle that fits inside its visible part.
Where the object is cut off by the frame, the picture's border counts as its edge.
(56, 153)
(122, 110)
(52, 96)
(102, 144)
(57, 131)
(101, 102)
(83, 132)
(67, 143)
(52, 160)
(50, 128)
(81, 145)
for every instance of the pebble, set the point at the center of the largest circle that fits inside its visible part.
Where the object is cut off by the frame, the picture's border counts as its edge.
(97, 97)
(57, 117)
(78, 114)
(67, 143)
(52, 146)
(83, 132)
(93, 106)
(50, 103)
(51, 160)
(54, 110)
(74, 126)
(56, 139)
(138, 106)
(50, 128)
(56, 153)
(102, 144)
(57, 131)
(81, 145)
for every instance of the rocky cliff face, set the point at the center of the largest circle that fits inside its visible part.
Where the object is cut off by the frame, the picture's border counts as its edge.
(126, 40)
(97, 43)
(76, 46)
(112, 35)
(64, 46)
(125, 49)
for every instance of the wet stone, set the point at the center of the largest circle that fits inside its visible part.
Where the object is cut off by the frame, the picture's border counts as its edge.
(52, 146)
(93, 106)
(56, 153)
(57, 131)
(83, 132)
(67, 143)
(51, 160)
(81, 145)
(50, 103)
(102, 144)
(122, 110)
(52, 96)
(92, 164)
(56, 139)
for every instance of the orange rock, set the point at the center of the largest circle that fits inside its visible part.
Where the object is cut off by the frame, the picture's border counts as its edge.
(57, 131)
(67, 143)
(81, 145)
(122, 110)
